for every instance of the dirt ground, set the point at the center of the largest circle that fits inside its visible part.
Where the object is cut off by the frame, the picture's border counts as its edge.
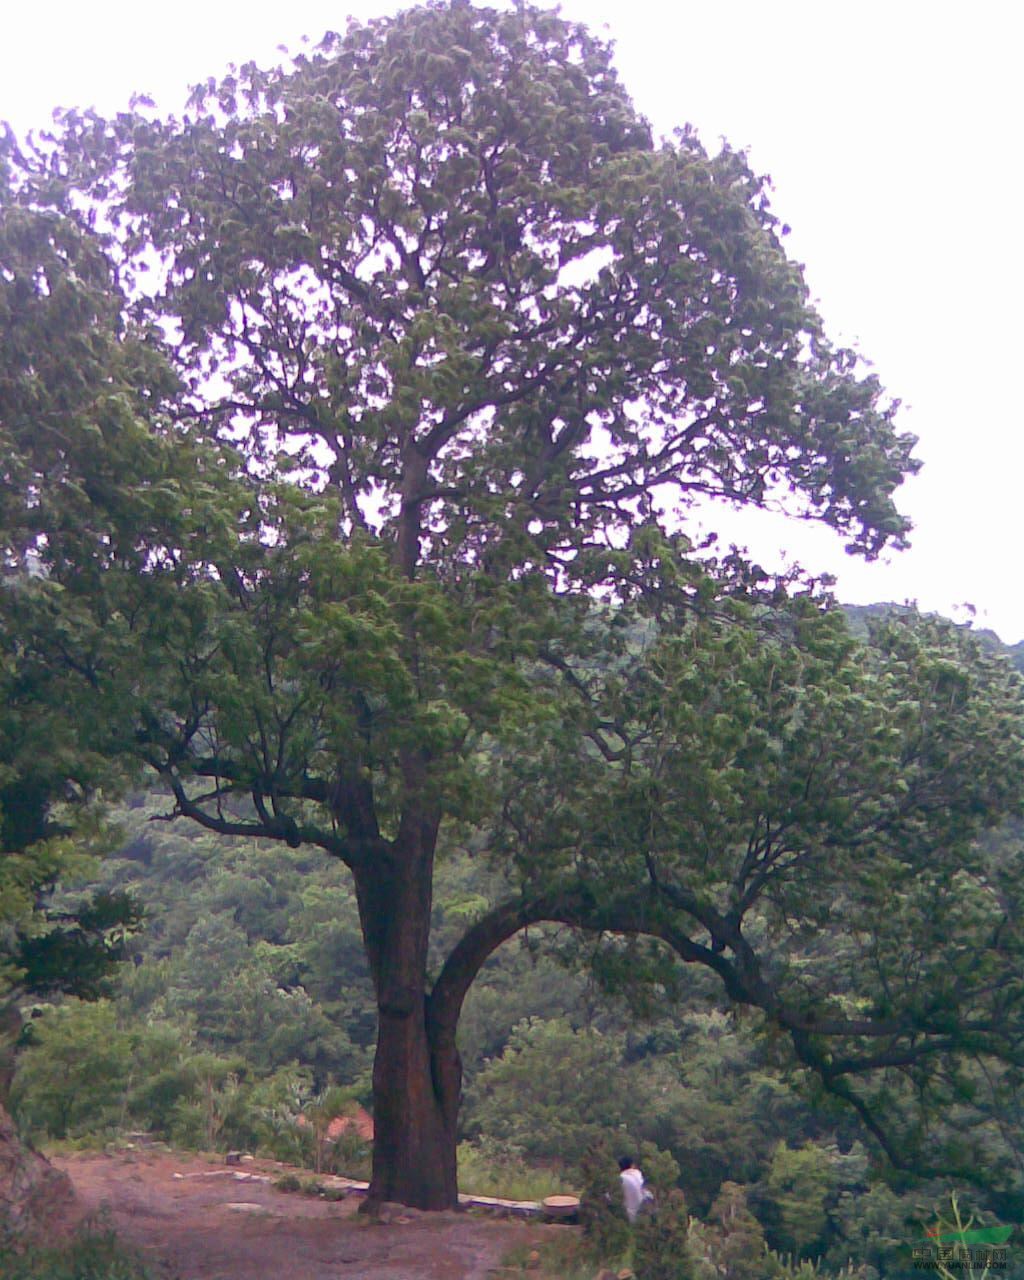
(215, 1223)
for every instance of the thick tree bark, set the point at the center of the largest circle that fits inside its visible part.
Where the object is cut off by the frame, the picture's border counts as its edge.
(416, 1096)
(416, 1074)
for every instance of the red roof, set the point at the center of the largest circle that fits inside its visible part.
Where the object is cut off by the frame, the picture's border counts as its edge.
(361, 1121)
(358, 1119)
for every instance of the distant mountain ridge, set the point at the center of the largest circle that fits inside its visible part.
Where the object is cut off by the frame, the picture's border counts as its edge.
(860, 615)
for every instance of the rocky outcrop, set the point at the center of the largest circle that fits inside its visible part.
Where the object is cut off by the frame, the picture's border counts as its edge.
(36, 1200)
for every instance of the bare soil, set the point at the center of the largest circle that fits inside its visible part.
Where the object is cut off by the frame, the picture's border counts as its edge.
(212, 1222)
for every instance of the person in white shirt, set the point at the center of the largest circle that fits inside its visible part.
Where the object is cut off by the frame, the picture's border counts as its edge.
(633, 1192)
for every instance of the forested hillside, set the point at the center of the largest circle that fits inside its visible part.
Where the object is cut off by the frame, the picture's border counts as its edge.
(244, 1003)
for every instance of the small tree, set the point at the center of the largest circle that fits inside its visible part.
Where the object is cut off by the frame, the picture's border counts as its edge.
(735, 1239)
(662, 1250)
(602, 1208)
(797, 1188)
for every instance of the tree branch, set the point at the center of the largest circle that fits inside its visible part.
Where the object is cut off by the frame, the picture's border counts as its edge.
(278, 826)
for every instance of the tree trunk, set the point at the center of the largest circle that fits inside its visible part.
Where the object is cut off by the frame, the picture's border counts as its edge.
(415, 1095)
(416, 1075)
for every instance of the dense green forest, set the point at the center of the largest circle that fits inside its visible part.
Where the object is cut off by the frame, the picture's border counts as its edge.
(243, 1002)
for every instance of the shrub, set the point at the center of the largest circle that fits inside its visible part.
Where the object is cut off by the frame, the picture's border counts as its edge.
(93, 1254)
(602, 1211)
(73, 1075)
(662, 1249)
(733, 1244)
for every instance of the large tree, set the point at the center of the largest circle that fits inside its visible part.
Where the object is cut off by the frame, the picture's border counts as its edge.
(480, 344)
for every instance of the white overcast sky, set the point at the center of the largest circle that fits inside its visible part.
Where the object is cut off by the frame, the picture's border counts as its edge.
(892, 132)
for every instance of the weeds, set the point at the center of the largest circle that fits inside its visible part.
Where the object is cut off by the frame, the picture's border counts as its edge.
(565, 1257)
(94, 1253)
(483, 1173)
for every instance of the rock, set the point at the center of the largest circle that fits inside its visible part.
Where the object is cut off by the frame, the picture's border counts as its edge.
(233, 1157)
(626, 1274)
(36, 1200)
(389, 1212)
(523, 1208)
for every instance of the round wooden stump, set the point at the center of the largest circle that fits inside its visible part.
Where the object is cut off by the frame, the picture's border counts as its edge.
(561, 1208)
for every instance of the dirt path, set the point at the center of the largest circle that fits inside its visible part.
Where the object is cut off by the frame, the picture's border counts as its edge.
(213, 1223)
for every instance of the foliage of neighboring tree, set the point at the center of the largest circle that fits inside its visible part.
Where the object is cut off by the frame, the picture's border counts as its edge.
(55, 317)
(75, 452)
(480, 343)
(91, 505)
(89, 500)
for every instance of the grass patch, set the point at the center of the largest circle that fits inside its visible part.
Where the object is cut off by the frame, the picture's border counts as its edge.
(565, 1257)
(507, 1177)
(72, 1146)
(94, 1253)
(309, 1187)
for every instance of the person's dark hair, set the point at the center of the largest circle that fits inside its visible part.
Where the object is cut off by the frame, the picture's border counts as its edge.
(625, 1162)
